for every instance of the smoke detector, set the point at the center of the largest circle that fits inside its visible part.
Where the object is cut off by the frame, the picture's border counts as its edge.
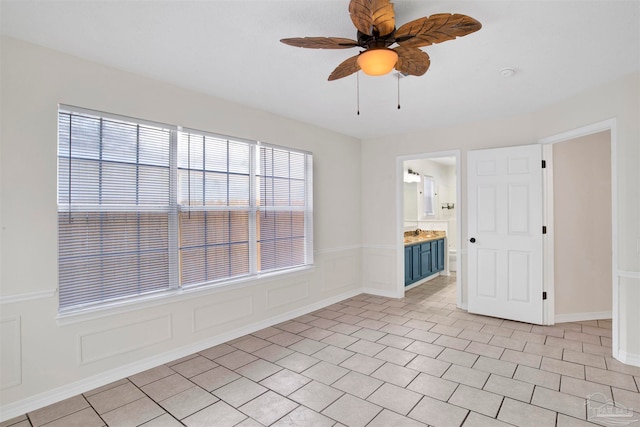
(507, 72)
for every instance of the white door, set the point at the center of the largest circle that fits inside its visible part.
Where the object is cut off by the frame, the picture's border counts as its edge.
(505, 232)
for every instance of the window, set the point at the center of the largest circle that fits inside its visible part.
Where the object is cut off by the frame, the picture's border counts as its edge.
(145, 207)
(282, 220)
(214, 206)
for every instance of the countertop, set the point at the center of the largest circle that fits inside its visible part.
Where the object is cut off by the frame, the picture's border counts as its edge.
(422, 236)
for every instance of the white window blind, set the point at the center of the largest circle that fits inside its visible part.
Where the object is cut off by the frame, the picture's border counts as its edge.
(214, 205)
(145, 208)
(245, 208)
(282, 208)
(113, 209)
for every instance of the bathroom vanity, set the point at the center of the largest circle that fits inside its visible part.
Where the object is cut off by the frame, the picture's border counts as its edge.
(424, 254)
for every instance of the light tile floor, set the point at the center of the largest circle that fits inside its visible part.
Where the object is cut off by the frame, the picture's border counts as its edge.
(372, 361)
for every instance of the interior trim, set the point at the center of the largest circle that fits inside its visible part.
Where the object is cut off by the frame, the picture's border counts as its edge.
(582, 317)
(338, 249)
(629, 274)
(629, 358)
(27, 296)
(379, 292)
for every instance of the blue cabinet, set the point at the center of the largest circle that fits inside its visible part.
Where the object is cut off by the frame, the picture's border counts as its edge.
(423, 260)
(408, 265)
(415, 263)
(441, 254)
(426, 264)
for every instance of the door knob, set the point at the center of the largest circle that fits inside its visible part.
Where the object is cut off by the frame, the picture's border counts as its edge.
(472, 240)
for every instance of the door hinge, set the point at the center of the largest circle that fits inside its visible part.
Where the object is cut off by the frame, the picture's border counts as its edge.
(544, 295)
(544, 229)
(544, 164)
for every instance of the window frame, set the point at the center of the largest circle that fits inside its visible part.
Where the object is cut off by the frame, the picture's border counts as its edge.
(176, 285)
(429, 195)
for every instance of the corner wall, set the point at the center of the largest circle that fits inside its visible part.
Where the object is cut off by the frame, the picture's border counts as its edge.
(45, 359)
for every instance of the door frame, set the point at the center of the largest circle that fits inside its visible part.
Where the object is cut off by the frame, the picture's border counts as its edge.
(400, 219)
(548, 247)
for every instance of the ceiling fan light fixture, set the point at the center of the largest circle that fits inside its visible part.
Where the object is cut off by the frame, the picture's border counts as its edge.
(377, 62)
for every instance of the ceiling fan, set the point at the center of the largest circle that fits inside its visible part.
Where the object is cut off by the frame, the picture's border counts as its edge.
(376, 32)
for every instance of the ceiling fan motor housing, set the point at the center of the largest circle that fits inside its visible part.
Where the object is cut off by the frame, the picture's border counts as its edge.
(376, 42)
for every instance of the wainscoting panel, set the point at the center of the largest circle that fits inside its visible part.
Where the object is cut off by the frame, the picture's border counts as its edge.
(10, 342)
(379, 270)
(340, 272)
(117, 343)
(278, 296)
(110, 342)
(221, 312)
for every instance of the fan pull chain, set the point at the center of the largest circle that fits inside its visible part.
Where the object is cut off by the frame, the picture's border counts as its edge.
(358, 91)
(398, 75)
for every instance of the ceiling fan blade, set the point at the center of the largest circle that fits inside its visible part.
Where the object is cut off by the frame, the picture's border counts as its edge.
(412, 60)
(321, 42)
(435, 29)
(345, 69)
(373, 16)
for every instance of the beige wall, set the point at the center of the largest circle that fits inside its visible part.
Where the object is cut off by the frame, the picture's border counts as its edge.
(582, 225)
(46, 359)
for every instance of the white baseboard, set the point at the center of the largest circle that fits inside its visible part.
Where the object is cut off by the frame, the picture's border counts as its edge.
(411, 286)
(628, 358)
(582, 317)
(425, 280)
(380, 293)
(41, 400)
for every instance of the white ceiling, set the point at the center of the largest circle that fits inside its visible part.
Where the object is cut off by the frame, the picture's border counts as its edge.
(231, 49)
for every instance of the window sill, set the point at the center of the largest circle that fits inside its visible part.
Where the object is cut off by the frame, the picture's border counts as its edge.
(171, 297)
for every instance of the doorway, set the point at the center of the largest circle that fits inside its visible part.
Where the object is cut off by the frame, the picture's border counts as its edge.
(434, 206)
(607, 131)
(582, 228)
